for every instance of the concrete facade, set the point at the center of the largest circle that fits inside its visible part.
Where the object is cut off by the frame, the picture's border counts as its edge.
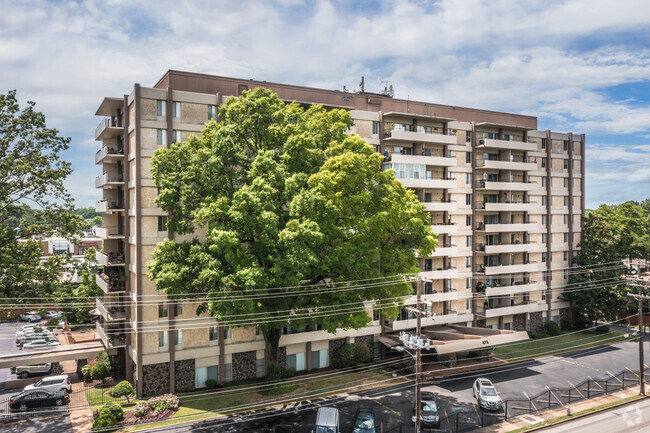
(505, 198)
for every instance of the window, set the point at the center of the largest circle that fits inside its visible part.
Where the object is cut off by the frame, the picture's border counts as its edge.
(566, 274)
(566, 182)
(566, 164)
(468, 136)
(228, 333)
(178, 337)
(468, 263)
(543, 143)
(176, 136)
(468, 178)
(163, 310)
(214, 333)
(543, 200)
(566, 200)
(566, 146)
(161, 108)
(543, 162)
(468, 241)
(468, 157)
(202, 374)
(468, 283)
(566, 256)
(428, 288)
(566, 219)
(428, 265)
(544, 291)
(161, 138)
(375, 128)
(566, 237)
(468, 220)
(544, 239)
(543, 182)
(543, 220)
(178, 309)
(543, 257)
(162, 223)
(320, 358)
(176, 110)
(468, 199)
(162, 339)
(212, 112)
(297, 361)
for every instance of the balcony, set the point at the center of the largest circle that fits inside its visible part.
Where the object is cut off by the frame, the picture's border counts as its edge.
(442, 161)
(499, 269)
(108, 154)
(514, 227)
(429, 183)
(513, 289)
(112, 232)
(111, 282)
(421, 137)
(512, 248)
(440, 274)
(112, 339)
(450, 295)
(110, 259)
(110, 314)
(507, 310)
(451, 317)
(509, 207)
(492, 143)
(516, 165)
(104, 206)
(444, 228)
(451, 250)
(108, 127)
(109, 180)
(440, 206)
(506, 186)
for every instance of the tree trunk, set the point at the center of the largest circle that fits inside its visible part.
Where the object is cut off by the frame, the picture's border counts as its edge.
(272, 338)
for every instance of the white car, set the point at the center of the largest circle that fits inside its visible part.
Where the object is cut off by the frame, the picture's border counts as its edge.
(32, 316)
(25, 371)
(52, 383)
(53, 314)
(40, 344)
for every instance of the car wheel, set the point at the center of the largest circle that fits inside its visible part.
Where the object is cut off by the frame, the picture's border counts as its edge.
(65, 389)
(58, 402)
(22, 407)
(24, 375)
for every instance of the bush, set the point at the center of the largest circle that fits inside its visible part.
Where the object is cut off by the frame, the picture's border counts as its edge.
(104, 421)
(274, 373)
(190, 387)
(552, 328)
(113, 409)
(85, 370)
(602, 329)
(140, 410)
(99, 371)
(122, 389)
(158, 405)
(102, 357)
(350, 355)
(211, 383)
(361, 354)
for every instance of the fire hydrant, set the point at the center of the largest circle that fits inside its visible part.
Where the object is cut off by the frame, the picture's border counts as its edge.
(568, 411)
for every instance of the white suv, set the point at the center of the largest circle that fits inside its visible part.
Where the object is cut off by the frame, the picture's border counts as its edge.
(52, 383)
(27, 370)
(486, 394)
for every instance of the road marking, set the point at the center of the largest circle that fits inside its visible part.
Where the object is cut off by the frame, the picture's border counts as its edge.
(383, 405)
(574, 387)
(529, 399)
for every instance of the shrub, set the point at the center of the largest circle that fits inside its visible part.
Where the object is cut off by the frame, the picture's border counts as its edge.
(112, 409)
(343, 356)
(102, 357)
(289, 372)
(211, 383)
(552, 328)
(159, 406)
(85, 370)
(140, 410)
(361, 354)
(190, 387)
(99, 371)
(104, 421)
(602, 329)
(274, 373)
(122, 389)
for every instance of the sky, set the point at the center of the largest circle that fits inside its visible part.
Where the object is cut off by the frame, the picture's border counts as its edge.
(580, 66)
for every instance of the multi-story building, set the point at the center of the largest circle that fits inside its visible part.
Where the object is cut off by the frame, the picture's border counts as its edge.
(505, 198)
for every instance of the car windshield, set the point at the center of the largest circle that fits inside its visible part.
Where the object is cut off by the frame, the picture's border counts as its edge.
(488, 391)
(364, 422)
(39, 383)
(429, 406)
(321, 429)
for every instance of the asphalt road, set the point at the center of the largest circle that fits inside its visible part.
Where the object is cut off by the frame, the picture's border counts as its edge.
(631, 418)
(394, 405)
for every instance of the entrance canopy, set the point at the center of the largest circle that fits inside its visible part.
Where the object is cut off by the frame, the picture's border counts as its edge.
(456, 338)
(56, 354)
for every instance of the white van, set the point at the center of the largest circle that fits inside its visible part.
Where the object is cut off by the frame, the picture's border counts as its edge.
(52, 383)
(327, 420)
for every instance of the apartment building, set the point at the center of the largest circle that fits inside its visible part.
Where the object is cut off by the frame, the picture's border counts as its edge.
(505, 198)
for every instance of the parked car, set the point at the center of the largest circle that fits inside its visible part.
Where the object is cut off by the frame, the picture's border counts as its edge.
(34, 336)
(40, 344)
(29, 370)
(327, 420)
(365, 421)
(35, 399)
(53, 314)
(52, 383)
(32, 316)
(486, 394)
(283, 428)
(429, 416)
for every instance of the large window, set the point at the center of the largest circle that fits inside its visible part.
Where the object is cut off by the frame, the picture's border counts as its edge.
(212, 112)
(375, 128)
(214, 333)
(320, 358)
(162, 339)
(163, 310)
(178, 336)
(410, 171)
(161, 108)
(202, 374)
(297, 361)
(162, 223)
(176, 110)
(161, 137)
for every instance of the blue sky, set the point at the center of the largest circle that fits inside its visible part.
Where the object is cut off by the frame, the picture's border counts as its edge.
(578, 65)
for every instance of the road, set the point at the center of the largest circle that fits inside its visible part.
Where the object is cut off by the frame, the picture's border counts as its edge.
(631, 418)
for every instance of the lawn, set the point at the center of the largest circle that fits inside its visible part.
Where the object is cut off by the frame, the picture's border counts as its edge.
(96, 397)
(551, 345)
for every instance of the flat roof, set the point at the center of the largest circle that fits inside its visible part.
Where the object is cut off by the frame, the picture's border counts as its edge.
(57, 354)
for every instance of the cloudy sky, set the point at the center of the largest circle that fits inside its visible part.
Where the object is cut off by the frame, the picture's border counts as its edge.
(578, 65)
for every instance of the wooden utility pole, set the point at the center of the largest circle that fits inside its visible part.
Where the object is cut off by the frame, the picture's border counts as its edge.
(418, 357)
(640, 285)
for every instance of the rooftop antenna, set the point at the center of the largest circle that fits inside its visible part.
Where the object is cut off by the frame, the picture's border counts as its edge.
(362, 84)
(345, 89)
(388, 89)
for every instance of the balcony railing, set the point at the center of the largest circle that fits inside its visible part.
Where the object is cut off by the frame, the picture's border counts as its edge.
(107, 151)
(110, 258)
(108, 122)
(102, 206)
(108, 178)
(110, 232)
(111, 282)
(108, 312)
(112, 338)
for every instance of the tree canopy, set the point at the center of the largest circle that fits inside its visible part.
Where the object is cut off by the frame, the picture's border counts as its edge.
(277, 196)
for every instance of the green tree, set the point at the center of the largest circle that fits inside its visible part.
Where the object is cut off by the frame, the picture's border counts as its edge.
(285, 198)
(99, 371)
(628, 224)
(596, 294)
(31, 172)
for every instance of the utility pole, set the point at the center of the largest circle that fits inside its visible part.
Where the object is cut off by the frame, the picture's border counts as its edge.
(640, 285)
(418, 357)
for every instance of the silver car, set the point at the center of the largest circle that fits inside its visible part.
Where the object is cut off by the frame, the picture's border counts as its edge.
(486, 394)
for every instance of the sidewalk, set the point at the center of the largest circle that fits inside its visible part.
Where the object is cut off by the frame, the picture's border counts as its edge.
(81, 418)
(542, 419)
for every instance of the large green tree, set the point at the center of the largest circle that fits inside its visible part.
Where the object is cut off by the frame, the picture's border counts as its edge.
(283, 197)
(31, 174)
(629, 225)
(596, 294)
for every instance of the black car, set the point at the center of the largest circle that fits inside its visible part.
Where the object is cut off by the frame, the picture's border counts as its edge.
(37, 398)
(429, 417)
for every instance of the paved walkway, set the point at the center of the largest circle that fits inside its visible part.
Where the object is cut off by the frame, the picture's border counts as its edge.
(530, 420)
(81, 418)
